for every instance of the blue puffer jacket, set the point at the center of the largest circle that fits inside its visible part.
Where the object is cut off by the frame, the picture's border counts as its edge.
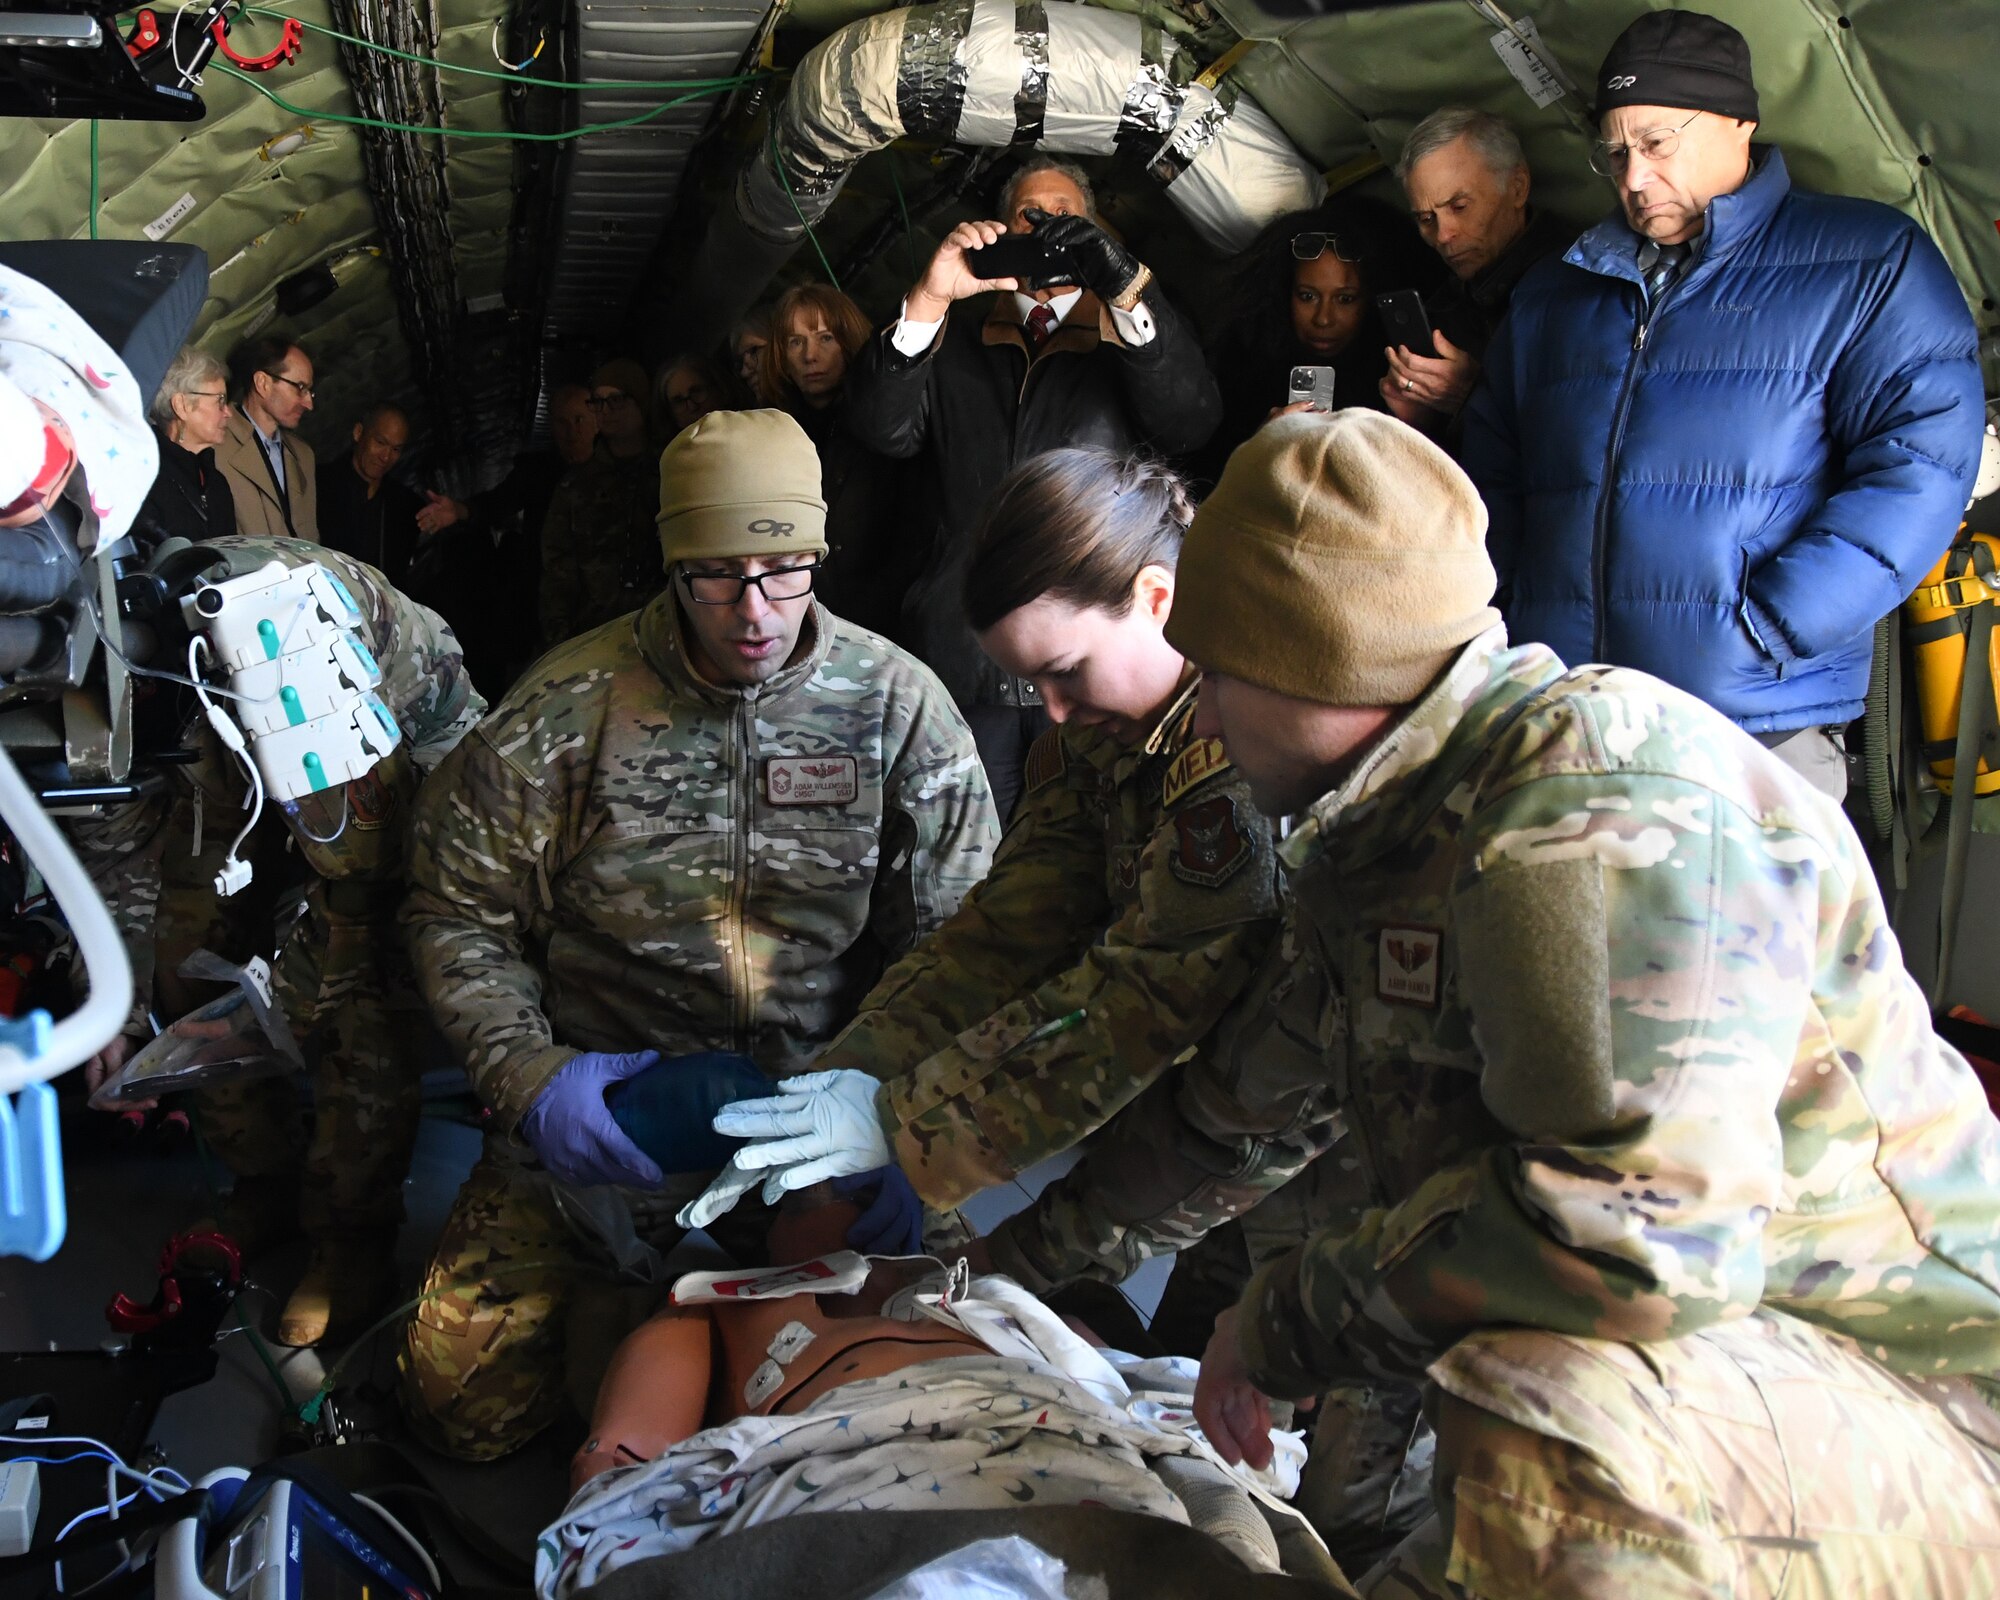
(1729, 493)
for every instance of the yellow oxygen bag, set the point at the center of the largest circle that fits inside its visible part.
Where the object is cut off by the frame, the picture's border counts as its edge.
(1953, 607)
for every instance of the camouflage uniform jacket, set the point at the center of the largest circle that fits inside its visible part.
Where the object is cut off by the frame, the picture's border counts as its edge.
(425, 687)
(358, 832)
(1625, 1046)
(627, 856)
(601, 543)
(1135, 885)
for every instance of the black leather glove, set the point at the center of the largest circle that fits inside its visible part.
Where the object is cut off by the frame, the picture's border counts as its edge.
(1103, 265)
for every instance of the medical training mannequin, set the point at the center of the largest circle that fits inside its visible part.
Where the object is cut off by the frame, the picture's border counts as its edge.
(687, 1368)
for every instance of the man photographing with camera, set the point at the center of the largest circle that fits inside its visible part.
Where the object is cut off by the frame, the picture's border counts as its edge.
(1093, 356)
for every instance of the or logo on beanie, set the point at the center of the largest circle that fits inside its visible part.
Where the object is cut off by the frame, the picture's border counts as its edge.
(1624, 82)
(771, 528)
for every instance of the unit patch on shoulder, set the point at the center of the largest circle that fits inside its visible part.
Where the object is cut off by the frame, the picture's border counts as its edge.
(1406, 966)
(1211, 847)
(812, 780)
(369, 801)
(1046, 761)
(1200, 760)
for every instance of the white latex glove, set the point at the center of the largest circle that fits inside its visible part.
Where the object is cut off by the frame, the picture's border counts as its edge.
(731, 1184)
(819, 1125)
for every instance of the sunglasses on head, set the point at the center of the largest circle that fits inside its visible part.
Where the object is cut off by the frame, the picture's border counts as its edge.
(1311, 246)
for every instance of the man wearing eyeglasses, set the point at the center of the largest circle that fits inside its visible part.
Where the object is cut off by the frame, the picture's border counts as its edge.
(271, 472)
(707, 827)
(1732, 428)
(600, 555)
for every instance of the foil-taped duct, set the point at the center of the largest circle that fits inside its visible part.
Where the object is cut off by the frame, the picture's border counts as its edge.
(1070, 78)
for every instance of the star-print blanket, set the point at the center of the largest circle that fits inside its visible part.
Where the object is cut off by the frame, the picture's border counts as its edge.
(963, 1433)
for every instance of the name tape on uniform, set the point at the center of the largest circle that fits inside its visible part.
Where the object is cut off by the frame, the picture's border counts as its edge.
(1202, 759)
(812, 780)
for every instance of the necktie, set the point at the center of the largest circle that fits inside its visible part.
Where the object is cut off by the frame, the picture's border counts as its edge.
(1661, 264)
(1041, 323)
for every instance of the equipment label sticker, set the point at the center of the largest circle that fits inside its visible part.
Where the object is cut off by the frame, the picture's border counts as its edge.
(812, 780)
(1528, 61)
(167, 220)
(1406, 966)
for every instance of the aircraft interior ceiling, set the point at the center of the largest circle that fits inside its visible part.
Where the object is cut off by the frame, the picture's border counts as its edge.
(527, 259)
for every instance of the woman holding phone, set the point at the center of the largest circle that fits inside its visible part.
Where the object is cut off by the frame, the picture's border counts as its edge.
(1307, 291)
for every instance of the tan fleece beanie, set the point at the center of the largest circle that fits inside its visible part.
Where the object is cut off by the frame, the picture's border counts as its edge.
(1341, 559)
(741, 483)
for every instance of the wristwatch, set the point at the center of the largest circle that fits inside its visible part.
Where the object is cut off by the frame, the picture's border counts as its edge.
(1128, 297)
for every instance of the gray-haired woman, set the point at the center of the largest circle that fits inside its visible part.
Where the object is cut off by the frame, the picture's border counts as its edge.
(190, 498)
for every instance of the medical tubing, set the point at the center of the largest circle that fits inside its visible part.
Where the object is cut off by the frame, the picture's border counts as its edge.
(310, 1410)
(100, 952)
(263, 1353)
(410, 1539)
(232, 737)
(138, 671)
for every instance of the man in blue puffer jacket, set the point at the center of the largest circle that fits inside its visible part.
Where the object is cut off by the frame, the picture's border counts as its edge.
(1733, 426)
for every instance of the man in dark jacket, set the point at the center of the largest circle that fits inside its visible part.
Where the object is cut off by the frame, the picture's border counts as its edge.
(1735, 424)
(1108, 363)
(482, 557)
(361, 512)
(1467, 182)
(600, 546)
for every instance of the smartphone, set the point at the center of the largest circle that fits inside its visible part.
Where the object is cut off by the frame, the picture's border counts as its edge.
(1313, 385)
(1024, 258)
(1405, 321)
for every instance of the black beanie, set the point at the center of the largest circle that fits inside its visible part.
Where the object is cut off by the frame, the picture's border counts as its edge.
(1679, 58)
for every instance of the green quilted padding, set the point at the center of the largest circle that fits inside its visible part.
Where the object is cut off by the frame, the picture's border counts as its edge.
(1881, 98)
(261, 220)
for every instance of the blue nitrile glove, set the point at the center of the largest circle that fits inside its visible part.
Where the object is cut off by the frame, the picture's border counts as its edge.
(892, 1221)
(572, 1129)
(667, 1109)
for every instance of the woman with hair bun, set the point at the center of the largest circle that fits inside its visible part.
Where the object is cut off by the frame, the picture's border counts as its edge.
(1131, 898)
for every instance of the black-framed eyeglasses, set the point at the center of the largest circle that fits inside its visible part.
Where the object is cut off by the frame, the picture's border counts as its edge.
(219, 396)
(305, 389)
(1311, 246)
(609, 402)
(728, 588)
(1656, 144)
